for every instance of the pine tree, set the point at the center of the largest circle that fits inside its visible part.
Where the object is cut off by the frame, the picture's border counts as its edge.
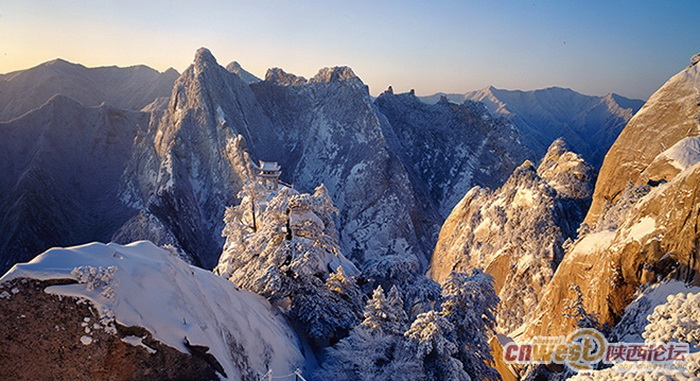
(374, 349)
(385, 314)
(575, 309)
(346, 287)
(429, 339)
(469, 302)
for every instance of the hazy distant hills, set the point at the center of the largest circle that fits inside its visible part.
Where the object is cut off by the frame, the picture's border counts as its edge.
(589, 124)
(129, 88)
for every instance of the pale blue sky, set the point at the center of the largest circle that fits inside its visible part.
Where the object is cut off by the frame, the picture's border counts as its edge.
(595, 47)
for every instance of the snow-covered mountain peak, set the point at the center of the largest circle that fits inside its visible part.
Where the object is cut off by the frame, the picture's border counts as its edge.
(203, 55)
(567, 172)
(516, 233)
(246, 76)
(341, 74)
(280, 77)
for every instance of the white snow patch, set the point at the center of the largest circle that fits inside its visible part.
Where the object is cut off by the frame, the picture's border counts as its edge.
(593, 243)
(154, 289)
(86, 340)
(138, 342)
(220, 116)
(683, 154)
(641, 229)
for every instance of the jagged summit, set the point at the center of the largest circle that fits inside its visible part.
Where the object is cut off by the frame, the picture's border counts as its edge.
(278, 76)
(335, 74)
(203, 55)
(246, 76)
(556, 149)
(515, 232)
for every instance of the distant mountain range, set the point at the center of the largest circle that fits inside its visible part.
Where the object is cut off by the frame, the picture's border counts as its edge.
(589, 124)
(130, 88)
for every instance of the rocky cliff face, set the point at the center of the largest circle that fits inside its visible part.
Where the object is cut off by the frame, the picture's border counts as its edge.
(334, 135)
(644, 218)
(194, 158)
(61, 167)
(517, 232)
(449, 148)
(129, 88)
(670, 115)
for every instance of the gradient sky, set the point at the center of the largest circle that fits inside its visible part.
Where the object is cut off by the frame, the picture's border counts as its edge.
(593, 46)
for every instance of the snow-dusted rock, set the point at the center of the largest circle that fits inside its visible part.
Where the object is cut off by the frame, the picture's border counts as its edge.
(154, 302)
(516, 233)
(449, 148)
(668, 117)
(195, 157)
(334, 135)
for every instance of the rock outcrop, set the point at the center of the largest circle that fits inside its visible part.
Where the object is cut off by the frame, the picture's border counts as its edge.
(194, 158)
(670, 115)
(517, 232)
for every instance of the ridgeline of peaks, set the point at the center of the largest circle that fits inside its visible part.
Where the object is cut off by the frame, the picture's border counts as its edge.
(130, 88)
(448, 147)
(393, 166)
(590, 124)
(364, 185)
(61, 168)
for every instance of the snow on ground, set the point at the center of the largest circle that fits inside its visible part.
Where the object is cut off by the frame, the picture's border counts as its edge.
(143, 285)
(592, 243)
(643, 228)
(633, 321)
(683, 154)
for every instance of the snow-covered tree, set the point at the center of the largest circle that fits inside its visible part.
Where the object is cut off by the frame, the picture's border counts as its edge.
(322, 314)
(469, 303)
(289, 255)
(369, 355)
(676, 320)
(575, 309)
(374, 350)
(346, 287)
(385, 314)
(429, 339)
(418, 292)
